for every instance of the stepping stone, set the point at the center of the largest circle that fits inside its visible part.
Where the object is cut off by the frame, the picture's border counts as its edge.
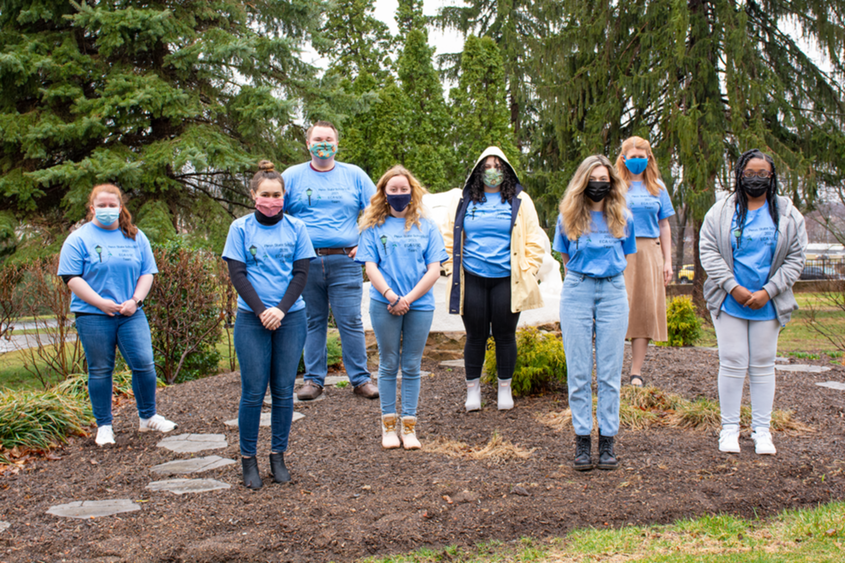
(423, 373)
(193, 443)
(4, 526)
(265, 419)
(268, 400)
(803, 368)
(195, 465)
(335, 379)
(182, 486)
(833, 385)
(452, 363)
(778, 359)
(93, 508)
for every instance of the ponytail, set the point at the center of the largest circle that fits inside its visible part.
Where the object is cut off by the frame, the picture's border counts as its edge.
(124, 221)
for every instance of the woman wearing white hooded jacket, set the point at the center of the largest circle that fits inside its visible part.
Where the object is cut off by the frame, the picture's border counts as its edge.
(495, 250)
(752, 247)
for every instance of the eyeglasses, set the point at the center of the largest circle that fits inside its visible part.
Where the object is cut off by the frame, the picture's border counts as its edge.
(765, 174)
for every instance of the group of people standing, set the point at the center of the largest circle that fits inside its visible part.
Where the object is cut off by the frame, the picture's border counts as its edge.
(300, 254)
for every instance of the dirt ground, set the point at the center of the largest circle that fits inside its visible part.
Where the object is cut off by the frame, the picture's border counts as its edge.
(350, 499)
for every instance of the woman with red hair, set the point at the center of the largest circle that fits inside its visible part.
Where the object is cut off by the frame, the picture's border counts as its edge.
(108, 265)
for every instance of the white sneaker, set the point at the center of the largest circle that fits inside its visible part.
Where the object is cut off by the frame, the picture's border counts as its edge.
(157, 422)
(505, 395)
(729, 439)
(105, 435)
(473, 395)
(763, 444)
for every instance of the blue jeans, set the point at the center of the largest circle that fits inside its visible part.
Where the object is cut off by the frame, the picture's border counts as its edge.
(412, 330)
(335, 280)
(100, 334)
(591, 306)
(267, 356)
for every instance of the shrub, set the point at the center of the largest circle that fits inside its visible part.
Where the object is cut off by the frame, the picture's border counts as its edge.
(39, 420)
(77, 385)
(540, 362)
(819, 317)
(335, 354)
(184, 312)
(10, 304)
(684, 326)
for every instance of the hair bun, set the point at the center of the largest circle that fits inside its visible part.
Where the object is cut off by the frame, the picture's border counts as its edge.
(266, 166)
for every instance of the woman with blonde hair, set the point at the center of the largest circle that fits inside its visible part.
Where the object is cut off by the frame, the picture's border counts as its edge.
(402, 251)
(108, 265)
(650, 269)
(594, 233)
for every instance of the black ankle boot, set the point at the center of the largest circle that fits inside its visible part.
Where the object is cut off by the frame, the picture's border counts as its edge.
(252, 478)
(583, 456)
(607, 459)
(278, 469)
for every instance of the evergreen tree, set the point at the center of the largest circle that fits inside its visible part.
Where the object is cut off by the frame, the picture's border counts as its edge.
(479, 105)
(355, 41)
(704, 80)
(171, 101)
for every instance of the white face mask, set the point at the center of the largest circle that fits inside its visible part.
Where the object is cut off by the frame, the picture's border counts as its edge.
(107, 215)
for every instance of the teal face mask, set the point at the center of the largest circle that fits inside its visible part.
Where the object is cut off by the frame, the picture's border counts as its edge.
(107, 215)
(492, 177)
(323, 150)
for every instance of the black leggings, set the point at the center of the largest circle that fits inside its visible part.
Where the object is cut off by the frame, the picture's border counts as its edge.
(488, 301)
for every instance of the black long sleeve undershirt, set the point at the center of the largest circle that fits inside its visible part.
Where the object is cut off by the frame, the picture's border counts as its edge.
(237, 273)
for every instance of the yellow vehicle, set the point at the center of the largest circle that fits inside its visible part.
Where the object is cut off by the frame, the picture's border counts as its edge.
(686, 274)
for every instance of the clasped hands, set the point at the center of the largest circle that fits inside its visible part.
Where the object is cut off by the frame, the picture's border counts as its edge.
(271, 318)
(401, 307)
(756, 300)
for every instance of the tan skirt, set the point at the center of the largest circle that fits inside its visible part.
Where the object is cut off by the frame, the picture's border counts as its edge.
(646, 294)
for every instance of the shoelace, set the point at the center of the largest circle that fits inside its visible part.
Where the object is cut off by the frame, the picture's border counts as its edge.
(390, 426)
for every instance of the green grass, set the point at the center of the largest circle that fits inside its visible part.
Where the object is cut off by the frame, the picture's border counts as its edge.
(14, 376)
(39, 420)
(794, 536)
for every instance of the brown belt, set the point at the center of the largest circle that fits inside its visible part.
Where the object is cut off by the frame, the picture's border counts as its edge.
(331, 251)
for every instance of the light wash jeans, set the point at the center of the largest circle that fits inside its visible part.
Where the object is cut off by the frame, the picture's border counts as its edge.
(99, 335)
(335, 280)
(401, 341)
(591, 306)
(267, 356)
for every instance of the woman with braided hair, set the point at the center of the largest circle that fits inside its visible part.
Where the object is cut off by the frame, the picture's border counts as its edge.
(752, 247)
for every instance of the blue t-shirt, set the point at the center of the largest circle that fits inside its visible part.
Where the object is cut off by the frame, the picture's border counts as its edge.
(752, 262)
(598, 253)
(402, 256)
(487, 241)
(269, 252)
(648, 209)
(328, 202)
(108, 261)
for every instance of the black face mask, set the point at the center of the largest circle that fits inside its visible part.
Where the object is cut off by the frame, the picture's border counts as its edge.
(597, 191)
(756, 186)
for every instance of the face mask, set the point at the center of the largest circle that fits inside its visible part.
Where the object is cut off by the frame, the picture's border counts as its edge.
(323, 150)
(755, 186)
(269, 206)
(107, 215)
(399, 201)
(597, 191)
(636, 165)
(492, 177)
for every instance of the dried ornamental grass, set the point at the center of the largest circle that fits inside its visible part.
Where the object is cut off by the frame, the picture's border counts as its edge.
(497, 449)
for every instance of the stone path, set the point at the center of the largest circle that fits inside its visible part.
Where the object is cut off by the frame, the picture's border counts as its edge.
(193, 443)
(265, 419)
(93, 508)
(452, 363)
(4, 526)
(182, 486)
(195, 465)
(803, 368)
(833, 385)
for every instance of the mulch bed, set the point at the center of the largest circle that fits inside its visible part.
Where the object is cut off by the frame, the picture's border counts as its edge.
(351, 499)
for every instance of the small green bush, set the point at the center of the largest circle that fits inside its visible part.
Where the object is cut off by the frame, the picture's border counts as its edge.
(540, 362)
(39, 420)
(684, 326)
(335, 353)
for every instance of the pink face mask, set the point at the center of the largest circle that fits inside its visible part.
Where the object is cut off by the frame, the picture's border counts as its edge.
(269, 206)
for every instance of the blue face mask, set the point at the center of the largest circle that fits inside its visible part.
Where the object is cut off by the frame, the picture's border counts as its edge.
(399, 201)
(107, 215)
(636, 165)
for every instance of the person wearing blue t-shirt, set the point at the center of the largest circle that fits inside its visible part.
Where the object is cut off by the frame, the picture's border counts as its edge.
(649, 270)
(328, 197)
(268, 253)
(402, 251)
(594, 234)
(752, 247)
(108, 265)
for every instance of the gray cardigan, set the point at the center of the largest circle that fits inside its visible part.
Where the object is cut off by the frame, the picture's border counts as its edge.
(717, 256)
